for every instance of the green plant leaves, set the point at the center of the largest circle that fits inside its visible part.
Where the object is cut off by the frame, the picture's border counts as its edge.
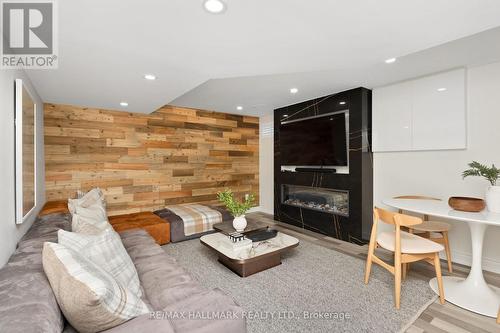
(481, 170)
(234, 206)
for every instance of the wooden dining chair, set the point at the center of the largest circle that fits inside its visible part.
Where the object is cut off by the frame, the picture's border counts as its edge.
(436, 231)
(406, 247)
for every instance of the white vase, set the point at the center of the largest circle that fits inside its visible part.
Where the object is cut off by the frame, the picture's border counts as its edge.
(493, 199)
(240, 223)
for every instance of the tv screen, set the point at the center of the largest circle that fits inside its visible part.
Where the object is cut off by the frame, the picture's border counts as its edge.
(314, 142)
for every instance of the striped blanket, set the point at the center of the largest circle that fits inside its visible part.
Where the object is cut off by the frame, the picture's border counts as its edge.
(196, 218)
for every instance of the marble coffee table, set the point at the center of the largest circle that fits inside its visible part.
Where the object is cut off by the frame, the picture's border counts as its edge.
(247, 261)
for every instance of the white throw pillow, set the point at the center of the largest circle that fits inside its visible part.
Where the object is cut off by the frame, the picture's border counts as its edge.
(105, 250)
(90, 298)
(92, 197)
(90, 220)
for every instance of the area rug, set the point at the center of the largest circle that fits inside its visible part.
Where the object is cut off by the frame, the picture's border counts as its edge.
(314, 290)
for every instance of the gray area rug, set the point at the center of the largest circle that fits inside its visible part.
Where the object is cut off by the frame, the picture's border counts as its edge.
(312, 281)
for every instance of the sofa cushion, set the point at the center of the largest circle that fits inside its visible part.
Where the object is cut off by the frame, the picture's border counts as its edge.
(90, 298)
(105, 250)
(28, 304)
(170, 288)
(154, 225)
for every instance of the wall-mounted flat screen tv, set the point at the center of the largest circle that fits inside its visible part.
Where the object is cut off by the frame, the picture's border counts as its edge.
(317, 141)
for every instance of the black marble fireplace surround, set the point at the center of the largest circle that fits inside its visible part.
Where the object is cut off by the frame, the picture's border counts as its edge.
(335, 204)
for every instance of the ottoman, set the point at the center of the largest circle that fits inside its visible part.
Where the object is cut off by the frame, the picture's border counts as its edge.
(158, 228)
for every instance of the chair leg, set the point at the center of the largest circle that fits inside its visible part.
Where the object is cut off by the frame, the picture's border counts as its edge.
(437, 266)
(404, 271)
(447, 249)
(371, 250)
(397, 282)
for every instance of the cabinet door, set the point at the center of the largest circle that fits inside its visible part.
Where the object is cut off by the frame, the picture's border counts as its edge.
(439, 111)
(392, 118)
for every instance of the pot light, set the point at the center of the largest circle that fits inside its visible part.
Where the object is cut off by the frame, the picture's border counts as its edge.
(124, 104)
(294, 90)
(285, 115)
(150, 77)
(239, 108)
(442, 89)
(342, 103)
(390, 60)
(214, 6)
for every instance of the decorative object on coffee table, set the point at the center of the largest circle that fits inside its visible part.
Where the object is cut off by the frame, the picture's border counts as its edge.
(491, 174)
(466, 204)
(236, 207)
(253, 259)
(227, 227)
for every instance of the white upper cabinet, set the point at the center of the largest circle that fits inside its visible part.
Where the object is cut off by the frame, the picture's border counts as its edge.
(392, 118)
(422, 114)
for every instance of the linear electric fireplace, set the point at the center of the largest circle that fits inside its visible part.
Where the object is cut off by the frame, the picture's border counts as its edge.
(316, 198)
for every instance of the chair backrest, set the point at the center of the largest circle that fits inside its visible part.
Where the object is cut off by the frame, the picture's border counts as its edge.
(397, 219)
(406, 220)
(417, 197)
(383, 215)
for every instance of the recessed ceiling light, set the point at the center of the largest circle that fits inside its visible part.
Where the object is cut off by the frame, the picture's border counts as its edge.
(442, 89)
(390, 60)
(342, 103)
(150, 77)
(214, 6)
(285, 115)
(239, 108)
(294, 90)
(123, 103)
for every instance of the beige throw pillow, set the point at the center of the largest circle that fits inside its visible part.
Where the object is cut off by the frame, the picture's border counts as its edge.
(90, 298)
(105, 250)
(90, 220)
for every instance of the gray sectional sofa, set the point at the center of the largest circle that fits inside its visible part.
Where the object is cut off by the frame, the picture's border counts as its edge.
(178, 303)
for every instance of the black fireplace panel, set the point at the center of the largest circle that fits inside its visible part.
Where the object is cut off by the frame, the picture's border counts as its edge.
(315, 198)
(340, 204)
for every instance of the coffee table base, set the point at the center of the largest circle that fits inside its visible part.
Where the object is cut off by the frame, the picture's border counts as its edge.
(251, 267)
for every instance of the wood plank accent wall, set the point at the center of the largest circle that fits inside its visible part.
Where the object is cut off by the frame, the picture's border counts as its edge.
(144, 162)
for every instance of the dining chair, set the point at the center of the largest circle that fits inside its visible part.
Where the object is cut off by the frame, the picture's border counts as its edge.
(436, 231)
(406, 247)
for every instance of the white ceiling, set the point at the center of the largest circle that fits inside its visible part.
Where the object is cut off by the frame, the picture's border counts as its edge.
(253, 53)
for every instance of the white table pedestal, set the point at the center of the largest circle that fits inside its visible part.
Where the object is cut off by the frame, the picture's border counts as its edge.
(472, 293)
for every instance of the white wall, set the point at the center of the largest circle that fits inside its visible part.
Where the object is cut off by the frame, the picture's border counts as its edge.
(266, 164)
(10, 233)
(438, 173)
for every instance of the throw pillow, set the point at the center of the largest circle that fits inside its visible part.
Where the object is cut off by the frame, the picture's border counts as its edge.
(90, 298)
(92, 197)
(90, 220)
(105, 250)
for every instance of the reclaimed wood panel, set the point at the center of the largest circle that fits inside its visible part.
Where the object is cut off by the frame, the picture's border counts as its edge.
(145, 162)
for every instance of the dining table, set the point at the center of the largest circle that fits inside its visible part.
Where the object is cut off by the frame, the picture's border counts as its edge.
(471, 293)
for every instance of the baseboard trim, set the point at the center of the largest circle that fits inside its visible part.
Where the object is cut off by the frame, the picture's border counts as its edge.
(261, 210)
(464, 258)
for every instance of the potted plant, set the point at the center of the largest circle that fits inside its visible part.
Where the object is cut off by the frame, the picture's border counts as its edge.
(236, 207)
(491, 174)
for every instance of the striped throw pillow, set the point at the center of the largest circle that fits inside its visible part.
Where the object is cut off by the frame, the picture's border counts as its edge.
(106, 251)
(90, 298)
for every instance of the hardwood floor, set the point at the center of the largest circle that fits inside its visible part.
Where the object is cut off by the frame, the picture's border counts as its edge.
(436, 318)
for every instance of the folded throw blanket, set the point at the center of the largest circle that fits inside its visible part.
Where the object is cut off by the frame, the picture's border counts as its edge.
(197, 218)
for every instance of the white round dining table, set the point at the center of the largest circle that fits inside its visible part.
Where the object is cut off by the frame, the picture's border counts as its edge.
(471, 293)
